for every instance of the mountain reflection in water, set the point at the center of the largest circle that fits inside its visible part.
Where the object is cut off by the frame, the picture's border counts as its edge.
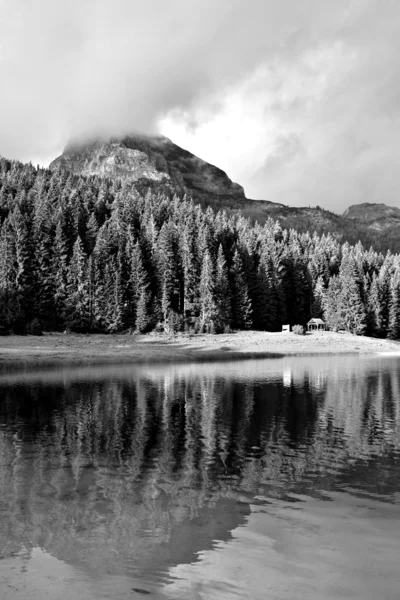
(130, 472)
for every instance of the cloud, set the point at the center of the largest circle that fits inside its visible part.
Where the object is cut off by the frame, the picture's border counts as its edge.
(298, 101)
(261, 130)
(315, 126)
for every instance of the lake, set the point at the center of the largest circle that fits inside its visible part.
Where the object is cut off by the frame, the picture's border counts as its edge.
(267, 479)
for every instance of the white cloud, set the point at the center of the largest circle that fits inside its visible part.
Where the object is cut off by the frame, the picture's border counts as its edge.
(262, 130)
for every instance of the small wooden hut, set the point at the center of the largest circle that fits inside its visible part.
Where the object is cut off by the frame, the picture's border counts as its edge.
(316, 325)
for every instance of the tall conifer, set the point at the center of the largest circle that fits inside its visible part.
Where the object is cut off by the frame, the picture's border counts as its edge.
(223, 300)
(394, 309)
(241, 303)
(208, 308)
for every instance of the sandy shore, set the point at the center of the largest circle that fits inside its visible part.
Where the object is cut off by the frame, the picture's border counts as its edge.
(77, 349)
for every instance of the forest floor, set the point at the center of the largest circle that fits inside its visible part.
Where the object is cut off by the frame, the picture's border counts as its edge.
(54, 348)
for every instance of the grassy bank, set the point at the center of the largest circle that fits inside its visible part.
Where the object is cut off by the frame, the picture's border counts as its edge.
(77, 349)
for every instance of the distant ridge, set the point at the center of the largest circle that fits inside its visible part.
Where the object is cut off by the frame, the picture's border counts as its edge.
(376, 216)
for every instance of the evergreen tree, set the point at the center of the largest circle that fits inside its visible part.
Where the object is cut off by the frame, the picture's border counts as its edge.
(334, 311)
(11, 316)
(354, 310)
(266, 297)
(25, 265)
(241, 303)
(317, 305)
(374, 321)
(44, 232)
(78, 302)
(223, 308)
(343, 307)
(208, 308)
(143, 318)
(114, 320)
(92, 230)
(170, 271)
(190, 270)
(60, 271)
(138, 290)
(379, 303)
(394, 309)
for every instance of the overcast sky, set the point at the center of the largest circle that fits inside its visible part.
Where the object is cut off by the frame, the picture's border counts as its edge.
(298, 100)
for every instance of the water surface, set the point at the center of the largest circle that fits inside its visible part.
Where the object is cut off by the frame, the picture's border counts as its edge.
(258, 479)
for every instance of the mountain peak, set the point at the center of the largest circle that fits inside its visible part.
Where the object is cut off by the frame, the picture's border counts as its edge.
(148, 160)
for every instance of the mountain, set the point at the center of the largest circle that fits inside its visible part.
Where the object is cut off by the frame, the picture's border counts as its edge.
(156, 162)
(151, 161)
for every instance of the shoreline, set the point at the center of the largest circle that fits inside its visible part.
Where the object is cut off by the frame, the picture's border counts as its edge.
(51, 349)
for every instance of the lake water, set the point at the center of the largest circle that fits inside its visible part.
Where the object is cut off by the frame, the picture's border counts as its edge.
(268, 479)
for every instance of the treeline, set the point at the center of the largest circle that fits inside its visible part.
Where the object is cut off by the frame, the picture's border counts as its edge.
(90, 254)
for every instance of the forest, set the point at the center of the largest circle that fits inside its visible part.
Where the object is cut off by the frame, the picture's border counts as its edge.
(87, 254)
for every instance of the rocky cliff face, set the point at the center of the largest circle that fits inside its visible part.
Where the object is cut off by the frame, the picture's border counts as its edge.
(149, 161)
(375, 216)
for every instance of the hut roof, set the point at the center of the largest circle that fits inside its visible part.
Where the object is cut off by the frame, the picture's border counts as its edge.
(316, 321)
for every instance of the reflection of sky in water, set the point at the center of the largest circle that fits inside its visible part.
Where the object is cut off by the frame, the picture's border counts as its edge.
(133, 472)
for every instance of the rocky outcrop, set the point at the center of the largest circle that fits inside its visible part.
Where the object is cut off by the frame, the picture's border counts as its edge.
(149, 161)
(375, 216)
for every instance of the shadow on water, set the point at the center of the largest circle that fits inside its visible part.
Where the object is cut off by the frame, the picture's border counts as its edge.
(130, 471)
(185, 354)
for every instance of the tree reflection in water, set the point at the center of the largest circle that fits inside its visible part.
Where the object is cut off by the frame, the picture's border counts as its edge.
(131, 471)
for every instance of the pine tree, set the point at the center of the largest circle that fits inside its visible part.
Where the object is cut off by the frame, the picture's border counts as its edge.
(266, 297)
(138, 289)
(60, 272)
(25, 266)
(143, 318)
(344, 306)
(100, 270)
(92, 230)
(190, 271)
(379, 303)
(78, 290)
(302, 292)
(223, 312)
(241, 303)
(354, 313)
(208, 308)
(374, 321)
(334, 311)
(115, 313)
(44, 232)
(170, 270)
(317, 305)
(385, 276)
(10, 309)
(394, 309)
